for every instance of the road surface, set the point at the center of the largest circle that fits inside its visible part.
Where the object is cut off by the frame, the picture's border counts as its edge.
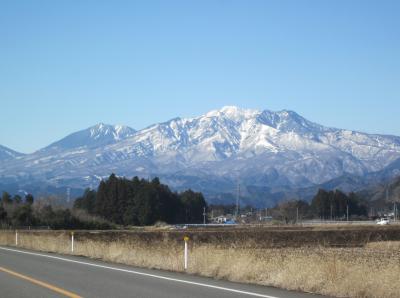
(25, 273)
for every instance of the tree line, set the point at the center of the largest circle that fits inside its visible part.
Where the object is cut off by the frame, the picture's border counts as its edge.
(25, 212)
(141, 202)
(117, 201)
(16, 210)
(325, 205)
(123, 202)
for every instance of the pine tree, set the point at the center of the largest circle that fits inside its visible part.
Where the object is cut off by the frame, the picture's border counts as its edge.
(29, 199)
(3, 214)
(193, 204)
(101, 200)
(6, 198)
(320, 204)
(17, 199)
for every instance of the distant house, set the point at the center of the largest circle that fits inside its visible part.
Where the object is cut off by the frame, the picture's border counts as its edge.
(220, 219)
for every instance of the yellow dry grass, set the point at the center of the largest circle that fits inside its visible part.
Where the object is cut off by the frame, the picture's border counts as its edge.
(370, 271)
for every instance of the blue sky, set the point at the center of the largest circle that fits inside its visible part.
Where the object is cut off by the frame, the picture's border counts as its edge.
(67, 65)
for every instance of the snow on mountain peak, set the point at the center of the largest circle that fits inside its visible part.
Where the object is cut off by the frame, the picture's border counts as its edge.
(122, 132)
(266, 148)
(232, 112)
(117, 131)
(99, 130)
(95, 136)
(120, 128)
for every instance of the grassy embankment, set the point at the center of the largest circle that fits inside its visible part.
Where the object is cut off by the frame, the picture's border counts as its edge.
(352, 261)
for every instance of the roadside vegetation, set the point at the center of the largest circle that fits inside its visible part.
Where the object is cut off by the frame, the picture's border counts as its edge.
(342, 261)
(336, 261)
(19, 212)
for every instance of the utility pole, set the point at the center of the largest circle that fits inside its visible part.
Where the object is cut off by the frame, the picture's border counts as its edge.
(297, 215)
(204, 215)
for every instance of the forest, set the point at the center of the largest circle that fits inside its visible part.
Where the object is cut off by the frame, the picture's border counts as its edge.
(141, 202)
(118, 202)
(325, 205)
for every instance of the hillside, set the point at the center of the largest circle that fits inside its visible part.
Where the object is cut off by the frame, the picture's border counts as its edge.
(383, 194)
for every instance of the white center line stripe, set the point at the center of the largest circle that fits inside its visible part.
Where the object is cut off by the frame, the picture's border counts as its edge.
(142, 273)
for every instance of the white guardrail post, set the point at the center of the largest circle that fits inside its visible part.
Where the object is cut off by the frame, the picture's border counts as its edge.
(72, 242)
(186, 239)
(16, 238)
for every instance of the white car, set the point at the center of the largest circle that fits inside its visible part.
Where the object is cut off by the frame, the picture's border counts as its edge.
(383, 221)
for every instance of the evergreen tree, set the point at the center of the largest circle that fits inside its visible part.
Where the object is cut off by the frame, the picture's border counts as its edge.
(29, 199)
(112, 196)
(357, 206)
(101, 200)
(340, 204)
(193, 204)
(3, 214)
(335, 202)
(87, 201)
(23, 216)
(17, 199)
(147, 203)
(320, 204)
(141, 202)
(6, 198)
(130, 213)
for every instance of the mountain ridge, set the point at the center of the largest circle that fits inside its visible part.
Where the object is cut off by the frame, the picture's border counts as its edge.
(276, 150)
(7, 153)
(97, 135)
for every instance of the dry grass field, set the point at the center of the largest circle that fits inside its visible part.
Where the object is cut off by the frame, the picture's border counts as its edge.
(341, 261)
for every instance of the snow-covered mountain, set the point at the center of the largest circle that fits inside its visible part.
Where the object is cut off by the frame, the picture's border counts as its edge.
(7, 153)
(263, 150)
(92, 137)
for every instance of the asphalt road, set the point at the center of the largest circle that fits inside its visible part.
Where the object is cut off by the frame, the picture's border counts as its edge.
(31, 274)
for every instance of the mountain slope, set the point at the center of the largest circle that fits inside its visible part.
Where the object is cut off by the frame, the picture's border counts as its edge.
(8, 154)
(263, 150)
(92, 137)
(383, 194)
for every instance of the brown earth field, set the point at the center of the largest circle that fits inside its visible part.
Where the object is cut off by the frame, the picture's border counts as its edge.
(342, 261)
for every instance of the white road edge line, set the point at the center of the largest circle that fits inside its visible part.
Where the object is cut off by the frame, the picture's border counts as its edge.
(142, 273)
